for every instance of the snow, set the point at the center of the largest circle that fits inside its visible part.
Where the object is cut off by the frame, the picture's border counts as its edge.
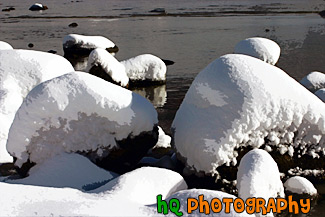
(261, 48)
(111, 66)
(143, 185)
(163, 139)
(182, 196)
(126, 197)
(321, 94)
(86, 42)
(77, 112)
(67, 170)
(238, 100)
(300, 185)
(5, 46)
(314, 81)
(20, 71)
(258, 176)
(145, 67)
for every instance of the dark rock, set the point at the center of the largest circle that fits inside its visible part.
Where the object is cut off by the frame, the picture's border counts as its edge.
(267, 30)
(8, 169)
(158, 10)
(12, 8)
(145, 83)
(30, 45)
(52, 51)
(72, 25)
(38, 7)
(76, 51)
(6, 10)
(322, 14)
(168, 62)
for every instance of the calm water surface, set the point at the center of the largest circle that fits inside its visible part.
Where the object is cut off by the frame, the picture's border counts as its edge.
(191, 33)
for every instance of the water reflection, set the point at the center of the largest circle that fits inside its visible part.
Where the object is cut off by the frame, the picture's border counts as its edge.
(157, 95)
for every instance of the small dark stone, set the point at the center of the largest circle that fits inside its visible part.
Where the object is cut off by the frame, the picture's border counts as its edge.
(168, 62)
(52, 51)
(322, 14)
(267, 30)
(6, 9)
(73, 25)
(38, 7)
(12, 8)
(30, 45)
(158, 10)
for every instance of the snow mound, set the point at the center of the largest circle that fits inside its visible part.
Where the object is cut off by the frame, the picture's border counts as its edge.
(300, 185)
(145, 67)
(314, 81)
(143, 185)
(258, 176)
(114, 71)
(67, 170)
(77, 42)
(5, 46)
(163, 140)
(321, 94)
(261, 48)
(20, 71)
(208, 195)
(238, 100)
(77, 112)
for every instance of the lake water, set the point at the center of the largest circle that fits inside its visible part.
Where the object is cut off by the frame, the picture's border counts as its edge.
(191, 33)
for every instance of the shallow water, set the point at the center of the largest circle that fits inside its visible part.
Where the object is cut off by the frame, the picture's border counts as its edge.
(192, 34)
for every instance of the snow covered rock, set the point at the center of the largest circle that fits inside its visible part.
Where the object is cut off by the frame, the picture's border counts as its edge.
(258, 176)
(67, 170)
(208, 195)
(143, 185)
(5, 46)
(163, 139)
(300, 185)
(79, 112)
(145, 69)
(38, 7)
(80, 45)
(321, 94)
(102, 64)
(240, 101)
(261, 48)
(20, 71)
(314, 81)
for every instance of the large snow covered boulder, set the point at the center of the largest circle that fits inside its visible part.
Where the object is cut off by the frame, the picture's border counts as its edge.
(240, 101)
(261, 48)
(5, 46)
(145, 69)
(20, 71)
(314, 81)
(300, 185)
(258, 176)
(102, 64)
(144, 184)
(67, 170)
(74, 44)
(321, 94)
(79, 112)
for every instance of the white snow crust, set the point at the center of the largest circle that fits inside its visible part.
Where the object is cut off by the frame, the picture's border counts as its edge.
(183, 195)
(321, 94)
(238, 100)
(116, 70)
(76, 112)
(67, 170)
(20, 71)
(258, 176)
(314, 81)
(163, 139)
(300, 185)
(261, 48)
(5, 46)
(145, 67)
(87, 42)
(144, 184)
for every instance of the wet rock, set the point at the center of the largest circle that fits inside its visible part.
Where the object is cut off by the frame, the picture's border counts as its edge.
(38, 7)
(168, 62)
(322, 14)
(30, 45)
(52, 51)
(73, 25)
(158, 10)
